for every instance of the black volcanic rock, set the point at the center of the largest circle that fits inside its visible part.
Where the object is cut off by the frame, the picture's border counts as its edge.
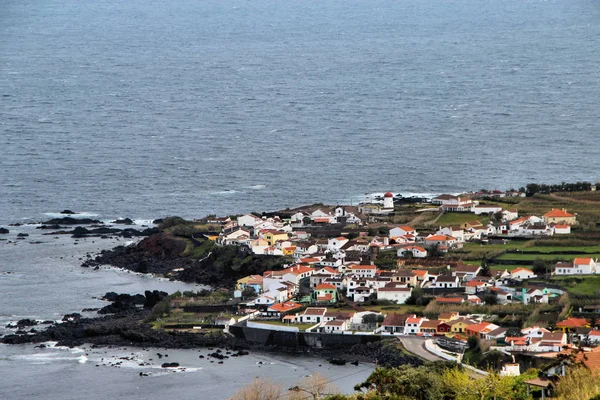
(26, 322)
(54, 226)
(22, 235)
(124, 221)
(68, 212)
(4, 231)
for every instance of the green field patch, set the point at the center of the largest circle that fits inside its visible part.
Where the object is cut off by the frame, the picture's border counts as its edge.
(588, 285)
(459, 218)
(533, 257)
(557, 249)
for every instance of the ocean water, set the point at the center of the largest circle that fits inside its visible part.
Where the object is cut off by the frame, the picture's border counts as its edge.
(146, 108)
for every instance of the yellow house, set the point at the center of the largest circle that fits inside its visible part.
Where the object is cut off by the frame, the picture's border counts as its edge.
(448, 316)
(289, 251)
(571, 324)
(460, 325)
(470, 224)
(272, 236)
(557, 216)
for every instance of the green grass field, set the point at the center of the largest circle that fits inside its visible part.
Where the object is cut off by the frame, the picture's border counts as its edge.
(533, 257)
(458, 218)
(588, 285)
(548, 249)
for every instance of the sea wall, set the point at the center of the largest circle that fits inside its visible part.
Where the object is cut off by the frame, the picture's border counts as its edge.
(270, 337)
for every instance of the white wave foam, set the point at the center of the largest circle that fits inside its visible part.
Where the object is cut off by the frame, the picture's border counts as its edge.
(225, 192)
(82, 214)
(256, 187)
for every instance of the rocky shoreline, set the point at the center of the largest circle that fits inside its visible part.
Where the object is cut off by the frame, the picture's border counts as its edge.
(162, 254)
(126, 326)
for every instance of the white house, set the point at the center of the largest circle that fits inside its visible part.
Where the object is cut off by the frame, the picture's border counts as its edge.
(453, 203)
(397, 294)
(249, 220)
(415, 251)
(509, 215)
(585, 265)
(453, 231)
(336, 243)
(312, 315)
(485, 209)
(579, 266)
(363, 271)
(412, 325)
(446, 281)
(561, 229)
(335, 326)
(522, 273)
(402, 230)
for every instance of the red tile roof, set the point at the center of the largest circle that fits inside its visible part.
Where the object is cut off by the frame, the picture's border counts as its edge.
(556, 213)
(573, 323)
(325, 286)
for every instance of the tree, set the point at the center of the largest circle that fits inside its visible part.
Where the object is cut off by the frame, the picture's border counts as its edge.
(315, 386)
(417, 298)
(405, 382)
(540, 266)
(473, 342)
(485, 267)
(259, 389)
(491, 298)
(372, 319)
(514, 332)
(248, 293)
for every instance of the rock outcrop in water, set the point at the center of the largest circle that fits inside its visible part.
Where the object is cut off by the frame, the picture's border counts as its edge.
(162, 254)
(71, 221)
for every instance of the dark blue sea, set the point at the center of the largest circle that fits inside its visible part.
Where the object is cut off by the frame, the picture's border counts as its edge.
(145, 108)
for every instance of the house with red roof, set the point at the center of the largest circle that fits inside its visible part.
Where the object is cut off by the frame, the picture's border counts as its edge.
(412, 250)
(474, 286)
(521, 273)
(326, 293)
(481, 329)
(280, 309)
(412, 326)
(579, 266)
(441, 241)
(402, 230)
(450, 300)
(572, 324)
(559, 216)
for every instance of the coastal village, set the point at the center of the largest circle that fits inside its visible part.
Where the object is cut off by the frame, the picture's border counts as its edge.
(476, 277)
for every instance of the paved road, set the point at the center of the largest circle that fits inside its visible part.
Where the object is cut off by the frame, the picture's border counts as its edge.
(416, 345)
